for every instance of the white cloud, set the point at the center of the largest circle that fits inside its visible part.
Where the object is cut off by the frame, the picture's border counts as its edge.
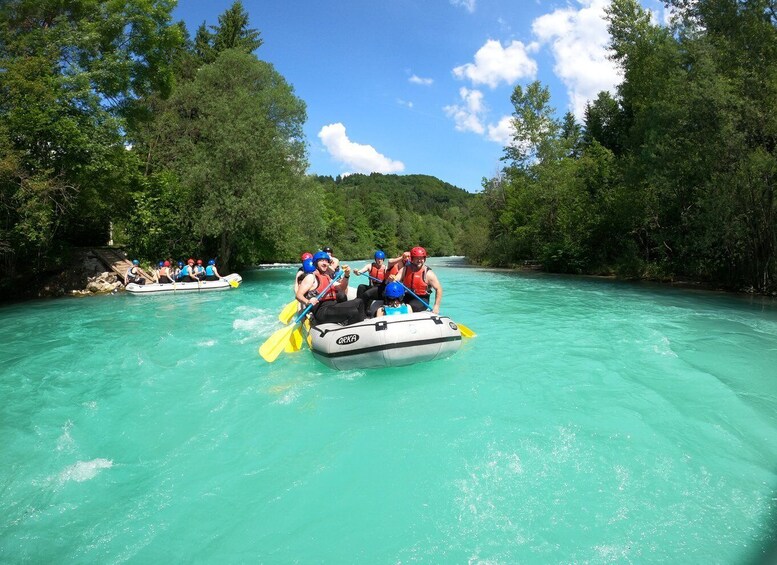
(360, 158)
(494, 64)
(468, 5)
(467, 117)
(406, 103)
(502, 132)
(415, 79)
(578, 40)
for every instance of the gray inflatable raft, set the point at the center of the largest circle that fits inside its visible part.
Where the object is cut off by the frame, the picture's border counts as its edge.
(387, 341)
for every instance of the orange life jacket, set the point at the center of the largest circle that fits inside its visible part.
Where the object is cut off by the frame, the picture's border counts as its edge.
(323, 282)
(377, 273)
(416, 280)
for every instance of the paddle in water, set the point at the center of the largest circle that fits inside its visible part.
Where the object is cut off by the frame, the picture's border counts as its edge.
(465, 331)
(288, 312)
(278, 341)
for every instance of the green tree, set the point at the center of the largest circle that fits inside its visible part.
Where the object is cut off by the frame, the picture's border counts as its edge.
(234, 138)
(72, 73)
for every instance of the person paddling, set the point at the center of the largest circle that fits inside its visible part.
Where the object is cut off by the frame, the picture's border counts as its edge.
(326, 308)
(133, 274)
(211, 272)
(165, 277)
(419, 279)
(377, 270)
(187, 273)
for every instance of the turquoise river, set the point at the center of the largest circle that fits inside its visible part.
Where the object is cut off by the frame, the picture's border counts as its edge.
(590, 421)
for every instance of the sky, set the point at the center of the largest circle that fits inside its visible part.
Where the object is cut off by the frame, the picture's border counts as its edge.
(424, 86)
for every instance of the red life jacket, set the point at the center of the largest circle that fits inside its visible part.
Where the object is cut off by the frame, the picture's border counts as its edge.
(395, 269)
(323, 282)
(416, 281)
(377, 273)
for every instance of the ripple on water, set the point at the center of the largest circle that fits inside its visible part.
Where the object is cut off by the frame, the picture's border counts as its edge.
(83, 470)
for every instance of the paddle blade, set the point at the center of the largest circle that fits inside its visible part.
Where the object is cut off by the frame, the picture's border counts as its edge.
(234, 284)
(295, 342)
(276, 343)
(465, 331)
(288, 312)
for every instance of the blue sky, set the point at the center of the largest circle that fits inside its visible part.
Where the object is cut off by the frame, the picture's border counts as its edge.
(423, 86)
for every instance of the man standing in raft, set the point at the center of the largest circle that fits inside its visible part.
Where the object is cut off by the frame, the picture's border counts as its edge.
(326, 309)
(420, 279)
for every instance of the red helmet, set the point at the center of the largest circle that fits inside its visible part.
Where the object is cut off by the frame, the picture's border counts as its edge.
(167, 263)
(190, 261)
(418, 252)
(199, 261)
(306, 255)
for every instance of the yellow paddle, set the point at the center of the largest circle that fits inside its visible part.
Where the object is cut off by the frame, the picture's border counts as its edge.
(277, 342)
(287, 314)
(465, 331)
(295, 341)
(233, 283)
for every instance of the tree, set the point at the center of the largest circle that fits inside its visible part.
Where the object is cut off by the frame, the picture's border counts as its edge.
(233, 31)
(72, 73)
(234, 137)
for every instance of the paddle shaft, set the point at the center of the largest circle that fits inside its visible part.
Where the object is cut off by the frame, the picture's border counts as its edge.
(465, 331)
(322, 293)
(278, 341)
(424, 302)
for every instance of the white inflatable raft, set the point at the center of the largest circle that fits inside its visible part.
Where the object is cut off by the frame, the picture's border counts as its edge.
(387, 341)
(155, 288)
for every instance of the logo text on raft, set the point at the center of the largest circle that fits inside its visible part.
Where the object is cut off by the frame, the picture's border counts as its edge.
(347, 339)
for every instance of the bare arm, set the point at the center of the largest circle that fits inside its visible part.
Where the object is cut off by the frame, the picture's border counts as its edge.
(304, 287)
(363, 269)
(432, 281)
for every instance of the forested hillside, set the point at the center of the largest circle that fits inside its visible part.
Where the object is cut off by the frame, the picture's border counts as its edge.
(394, 213)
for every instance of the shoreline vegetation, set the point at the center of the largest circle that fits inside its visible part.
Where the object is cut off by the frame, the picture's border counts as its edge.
(178, 144)
(86, 276)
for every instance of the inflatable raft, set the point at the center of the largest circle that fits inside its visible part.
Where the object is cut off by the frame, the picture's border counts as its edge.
(387, 341)
(230, 281)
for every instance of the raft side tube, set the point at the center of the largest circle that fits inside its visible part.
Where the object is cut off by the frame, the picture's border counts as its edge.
(390, 341)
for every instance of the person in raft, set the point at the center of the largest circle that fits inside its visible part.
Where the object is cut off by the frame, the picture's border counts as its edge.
(199, 270)
(420, 279)
(187, 273)
(377, 270)
(164, 276)
(380, 270)
(334, 262)
(327, 309)
(177, 271)
(211, 272)
(133, 274)
(306, 268)
(394, 303)
(300, 274)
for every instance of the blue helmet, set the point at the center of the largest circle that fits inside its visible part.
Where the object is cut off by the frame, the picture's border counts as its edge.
(180, 263)
(379, 255)
(135, 262)
(308, 266)
(394, 290)
(212, 262)
(161, 263)
(320, 256)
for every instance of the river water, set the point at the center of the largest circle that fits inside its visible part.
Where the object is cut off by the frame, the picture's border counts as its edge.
(589, 421)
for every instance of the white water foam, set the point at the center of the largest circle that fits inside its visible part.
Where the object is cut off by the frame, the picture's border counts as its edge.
(84, 470)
